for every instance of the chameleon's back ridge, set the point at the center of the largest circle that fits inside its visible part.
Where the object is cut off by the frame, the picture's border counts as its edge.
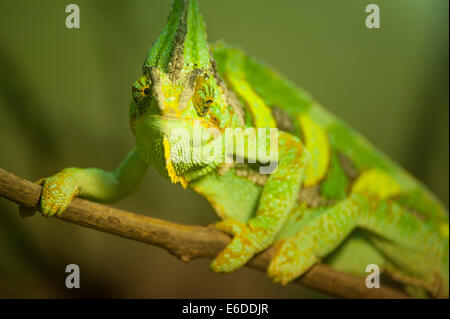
(333, 197)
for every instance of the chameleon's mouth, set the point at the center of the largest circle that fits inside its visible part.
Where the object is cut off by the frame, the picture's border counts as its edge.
(173, 145)
(156, 119)
(169, 125)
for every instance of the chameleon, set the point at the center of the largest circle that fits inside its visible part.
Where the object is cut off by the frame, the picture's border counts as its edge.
(332, 198)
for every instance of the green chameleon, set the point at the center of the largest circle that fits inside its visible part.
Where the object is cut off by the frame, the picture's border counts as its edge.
(332, 197)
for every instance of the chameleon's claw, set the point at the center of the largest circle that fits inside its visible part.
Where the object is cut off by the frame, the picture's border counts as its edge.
(280, 271)
(234, 256)
(49, 209)
(57, 192)
(289, 263)
(231, 226)
(282, 278)
(277, 279)
(60, 211)
(239, 251)
(46, 207)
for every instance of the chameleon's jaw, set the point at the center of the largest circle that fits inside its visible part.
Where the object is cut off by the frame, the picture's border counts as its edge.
(170, 168)
(167, 144)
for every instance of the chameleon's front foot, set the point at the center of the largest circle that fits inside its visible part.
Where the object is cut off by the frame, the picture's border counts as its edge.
(245, 244)
(58, 191)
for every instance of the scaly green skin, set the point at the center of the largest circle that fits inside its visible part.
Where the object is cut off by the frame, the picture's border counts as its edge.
(333, 197)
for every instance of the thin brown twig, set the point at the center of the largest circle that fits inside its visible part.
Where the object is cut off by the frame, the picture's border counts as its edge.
(185, 242)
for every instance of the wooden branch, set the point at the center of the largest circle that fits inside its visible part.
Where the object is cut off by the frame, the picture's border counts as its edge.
(185, 242)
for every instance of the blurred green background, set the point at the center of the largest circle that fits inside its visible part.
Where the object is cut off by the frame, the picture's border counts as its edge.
(64, 97)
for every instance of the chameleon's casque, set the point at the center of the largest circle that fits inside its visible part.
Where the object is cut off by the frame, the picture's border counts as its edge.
(333, 198)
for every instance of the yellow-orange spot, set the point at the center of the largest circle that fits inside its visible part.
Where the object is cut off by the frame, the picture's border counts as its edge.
(172, 94)
(169, 166)
(316, 142)
(376, 182)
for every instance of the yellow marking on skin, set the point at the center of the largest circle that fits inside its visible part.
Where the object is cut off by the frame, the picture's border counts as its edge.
(172, 94)
(316, 142)
(443, 228)
(262, 115)
(376, 182)
(169, 166)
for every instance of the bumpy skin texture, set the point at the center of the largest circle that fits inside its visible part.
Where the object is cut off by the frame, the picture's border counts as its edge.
(333, 197)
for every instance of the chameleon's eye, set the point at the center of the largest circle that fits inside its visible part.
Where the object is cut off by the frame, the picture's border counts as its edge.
(141, 91)
(203, 96)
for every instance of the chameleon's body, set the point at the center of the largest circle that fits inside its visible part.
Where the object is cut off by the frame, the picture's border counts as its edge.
(333, 197)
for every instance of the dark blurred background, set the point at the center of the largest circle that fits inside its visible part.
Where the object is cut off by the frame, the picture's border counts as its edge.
(64, 97)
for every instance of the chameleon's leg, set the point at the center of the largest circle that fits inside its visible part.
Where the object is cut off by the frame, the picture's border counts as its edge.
(277, 199)
(315, 240)
(380, 216)
(93, 183)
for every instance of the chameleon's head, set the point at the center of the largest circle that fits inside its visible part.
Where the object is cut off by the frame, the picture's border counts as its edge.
(179, 87)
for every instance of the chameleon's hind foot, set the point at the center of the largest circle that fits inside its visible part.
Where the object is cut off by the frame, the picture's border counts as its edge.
(240, 250)
(58, 191)
(289, 262)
